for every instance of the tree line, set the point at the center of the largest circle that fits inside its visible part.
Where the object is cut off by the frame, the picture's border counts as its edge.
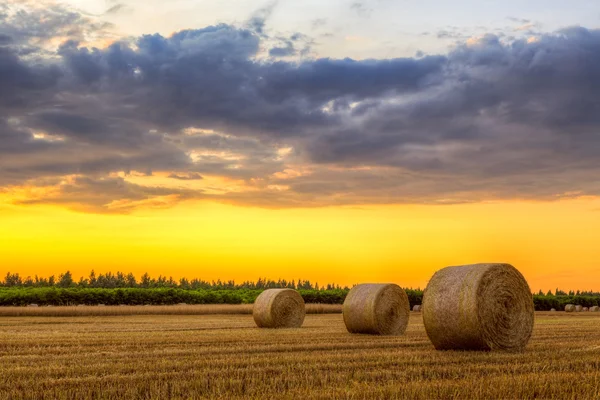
(120, 288)
(123, 280)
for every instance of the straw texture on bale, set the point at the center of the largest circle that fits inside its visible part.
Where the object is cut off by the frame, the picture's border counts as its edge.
(417, 307)
(569, 308)
(594, 309)
(478, 307)
(578, 308)
(376, 308)
(584, 309)
(279, 308)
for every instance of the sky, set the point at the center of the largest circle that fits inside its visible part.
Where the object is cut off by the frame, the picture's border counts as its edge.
(338, 141)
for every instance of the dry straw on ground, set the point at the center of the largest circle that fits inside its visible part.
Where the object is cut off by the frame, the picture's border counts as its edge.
(376, 308)
(570, 308)
(122, 310)
(417, 307)
(279, 308)
(478, 307)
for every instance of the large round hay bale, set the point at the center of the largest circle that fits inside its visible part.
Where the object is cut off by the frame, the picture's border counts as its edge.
(376, 308)
(553, 310)
(594, 309)
(279, 308)
(578, 308)
(417, 307)
(478, 307)
(569, 308)
(584, 309)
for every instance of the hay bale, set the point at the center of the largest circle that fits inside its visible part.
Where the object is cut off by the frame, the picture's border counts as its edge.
(478, 307)
(578, 308)
(584, 309)
(553, 310)
(376, 308)
(594, 309)
(569, 308)
(279, 308)
(417, 307)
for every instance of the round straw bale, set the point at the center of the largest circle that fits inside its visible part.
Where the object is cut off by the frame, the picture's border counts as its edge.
(376, 308)
(578, 308)
(594, 309)
(552, 309)
(569, 308)
(279, 308)
(478, 307)
(417, 307)
(584, 309)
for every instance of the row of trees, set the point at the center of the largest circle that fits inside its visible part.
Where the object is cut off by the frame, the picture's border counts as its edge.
(44, 296)
(559, 292)
(122, 280)
(19, 296)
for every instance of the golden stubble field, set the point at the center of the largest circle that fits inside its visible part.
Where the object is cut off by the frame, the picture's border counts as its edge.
(225, 356)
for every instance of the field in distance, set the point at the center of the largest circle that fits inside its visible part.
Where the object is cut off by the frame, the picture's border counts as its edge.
(225, 356)
(177, 309)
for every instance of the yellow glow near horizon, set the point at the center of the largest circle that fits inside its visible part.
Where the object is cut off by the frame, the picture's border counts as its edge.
(554, 244)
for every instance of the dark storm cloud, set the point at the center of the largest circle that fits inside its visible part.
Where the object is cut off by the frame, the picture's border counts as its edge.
(5, 39)
(494, 118)
(283, 51)
(24, 84)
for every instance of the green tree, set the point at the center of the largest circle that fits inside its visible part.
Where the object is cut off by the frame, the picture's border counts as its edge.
(65, 280)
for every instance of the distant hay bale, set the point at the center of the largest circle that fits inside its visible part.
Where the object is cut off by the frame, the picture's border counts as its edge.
(417, 307)
(594, 309)
(279, 308)
(552, 309)
(584, 309)
(569, 308)
(478, 307)
(32, 305)
(578, 308)
(377, 309)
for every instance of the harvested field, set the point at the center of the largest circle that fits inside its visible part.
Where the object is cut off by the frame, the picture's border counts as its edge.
(180, 309)
(226, 356)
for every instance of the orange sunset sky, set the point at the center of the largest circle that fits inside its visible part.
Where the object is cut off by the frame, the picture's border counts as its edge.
(552, 243)
(338, 142)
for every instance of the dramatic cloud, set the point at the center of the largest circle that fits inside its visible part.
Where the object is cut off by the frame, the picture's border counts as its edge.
(200, 114)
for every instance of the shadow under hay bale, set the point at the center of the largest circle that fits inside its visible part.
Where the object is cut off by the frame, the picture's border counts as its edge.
(279, 308)
(478, 307)
(377, 309)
